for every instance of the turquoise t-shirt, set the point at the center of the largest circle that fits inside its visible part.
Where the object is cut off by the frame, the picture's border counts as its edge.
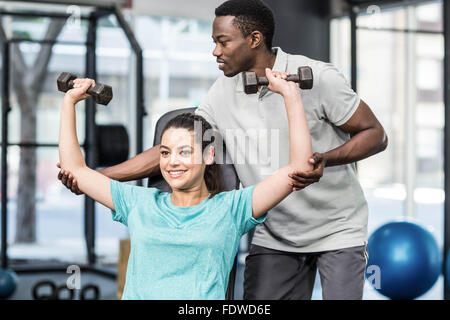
(180, 253)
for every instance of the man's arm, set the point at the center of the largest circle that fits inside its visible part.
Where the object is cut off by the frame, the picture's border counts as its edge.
(367, 138)
(141, 166)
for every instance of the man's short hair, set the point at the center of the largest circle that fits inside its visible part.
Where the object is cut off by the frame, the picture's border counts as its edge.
(250, 15)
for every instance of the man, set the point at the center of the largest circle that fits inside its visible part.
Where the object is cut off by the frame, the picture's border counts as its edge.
(322, 227)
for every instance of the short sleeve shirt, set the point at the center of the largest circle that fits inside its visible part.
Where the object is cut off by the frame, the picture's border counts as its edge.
(181, 252)
(327, 215)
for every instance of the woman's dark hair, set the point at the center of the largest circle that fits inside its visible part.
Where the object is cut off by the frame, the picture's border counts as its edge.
(249, 16)
(213, 173)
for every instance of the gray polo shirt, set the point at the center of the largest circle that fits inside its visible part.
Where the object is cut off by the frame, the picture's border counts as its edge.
(330, 214)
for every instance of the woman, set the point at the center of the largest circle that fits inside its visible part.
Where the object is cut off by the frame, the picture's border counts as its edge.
(183, 243)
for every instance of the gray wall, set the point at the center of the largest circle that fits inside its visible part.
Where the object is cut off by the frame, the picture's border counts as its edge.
(302, 27)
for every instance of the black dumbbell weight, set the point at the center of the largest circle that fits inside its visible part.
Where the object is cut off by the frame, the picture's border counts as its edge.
(304, 78)
(95, 292)
(44, 290)
(70, 294)
(101, 93)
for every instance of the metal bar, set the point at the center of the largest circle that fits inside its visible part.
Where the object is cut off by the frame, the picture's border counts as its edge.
(29, 269)
(101, 271)
(103, 4)
(44, 41)
(40, 14)
(410, 95)
(386, 4)
(354, 11)
(400, 30)
(90, 150)
(140, 111)
(32, 145)
(446, 19)
(35, 145)
(353, 47)
(140, 105)
(127, 30)
(4, 183)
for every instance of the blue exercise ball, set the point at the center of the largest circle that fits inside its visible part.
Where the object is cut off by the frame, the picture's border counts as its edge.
(407, 257)
(8, 283)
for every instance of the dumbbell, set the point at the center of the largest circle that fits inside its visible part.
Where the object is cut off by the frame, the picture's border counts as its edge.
(304, 77)
(101, 93)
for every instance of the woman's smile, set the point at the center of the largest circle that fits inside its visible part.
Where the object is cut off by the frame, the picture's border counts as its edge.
(174, 174)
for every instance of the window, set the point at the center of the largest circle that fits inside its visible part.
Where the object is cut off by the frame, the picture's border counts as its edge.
(400, 77)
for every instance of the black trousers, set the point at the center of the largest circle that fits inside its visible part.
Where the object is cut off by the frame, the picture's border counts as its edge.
(279, 275)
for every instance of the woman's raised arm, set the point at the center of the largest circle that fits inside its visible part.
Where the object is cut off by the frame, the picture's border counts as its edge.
(272, 190)
(92, 183)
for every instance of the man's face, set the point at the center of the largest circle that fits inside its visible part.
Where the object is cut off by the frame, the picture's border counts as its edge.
(232, 50)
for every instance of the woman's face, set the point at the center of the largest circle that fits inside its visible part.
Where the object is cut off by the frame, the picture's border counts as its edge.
(181, 160)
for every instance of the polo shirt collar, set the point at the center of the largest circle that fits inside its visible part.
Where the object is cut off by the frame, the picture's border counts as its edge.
(280, 60)
(279, 65)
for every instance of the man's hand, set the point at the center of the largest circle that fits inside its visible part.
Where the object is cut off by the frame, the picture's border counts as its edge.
(301, 180)
(68, 180)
